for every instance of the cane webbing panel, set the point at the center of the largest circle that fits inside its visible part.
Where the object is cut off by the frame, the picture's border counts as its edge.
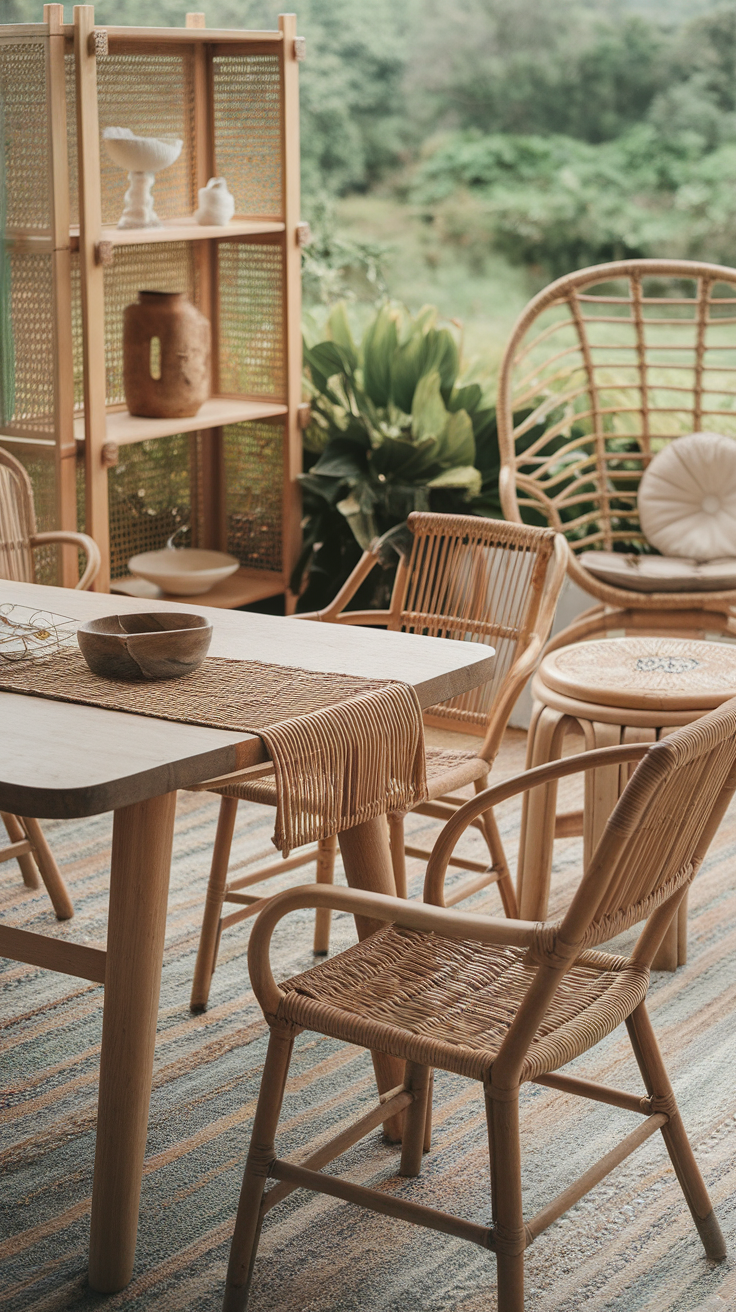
(448, 1003)
(163, 267)
(153, 95)
(77, 331)
(149, 497)
(33, 342)
(611, 366)
(345, 749)
(247, 110)
(23, 103)
(71, 137)
(40, 466)
(254, 463)
(251, 324)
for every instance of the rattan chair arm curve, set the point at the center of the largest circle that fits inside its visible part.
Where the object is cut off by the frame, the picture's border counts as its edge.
(376, 906)
(81, 540)
(434, 880)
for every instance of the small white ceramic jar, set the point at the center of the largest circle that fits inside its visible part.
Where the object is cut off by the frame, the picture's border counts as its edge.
(216, 203)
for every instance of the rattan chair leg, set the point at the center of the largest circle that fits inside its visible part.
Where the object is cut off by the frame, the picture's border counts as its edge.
(17, 834)
(539, 810)
(50, 873)
(508, 1218)
(419, 1080)
(498, 857)
(260, 1156)
(326, 851)
(210, 933)
(428, 1117)
(654, 1073)
(398, 855)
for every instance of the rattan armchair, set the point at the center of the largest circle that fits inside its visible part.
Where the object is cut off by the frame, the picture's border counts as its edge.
(500, 1001)
(461, 577)
(18, 538)
(604, 367)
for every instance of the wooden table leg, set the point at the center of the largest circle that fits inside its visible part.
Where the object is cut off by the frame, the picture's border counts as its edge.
(139, 883)
(367, 859)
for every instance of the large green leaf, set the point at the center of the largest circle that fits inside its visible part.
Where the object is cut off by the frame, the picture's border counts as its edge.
(407, 367)
(342, 336)
(428, 413)
(466, 477)
(466, 398)
(402, 459)
(457, 444)
(379, 345)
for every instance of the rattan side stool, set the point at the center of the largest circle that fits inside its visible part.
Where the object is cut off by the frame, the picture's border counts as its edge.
(616, 690)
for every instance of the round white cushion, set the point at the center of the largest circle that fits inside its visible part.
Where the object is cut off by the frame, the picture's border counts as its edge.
(687, 497)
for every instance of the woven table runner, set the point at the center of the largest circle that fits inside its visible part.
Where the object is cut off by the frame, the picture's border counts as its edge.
(344, 749)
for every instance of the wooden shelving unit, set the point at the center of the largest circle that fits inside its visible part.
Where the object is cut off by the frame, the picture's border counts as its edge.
(230, 471)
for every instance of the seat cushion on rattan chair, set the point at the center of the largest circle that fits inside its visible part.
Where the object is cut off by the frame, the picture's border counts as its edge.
(446, 769)
(660, 573)
(687, 498)
(449, 1003)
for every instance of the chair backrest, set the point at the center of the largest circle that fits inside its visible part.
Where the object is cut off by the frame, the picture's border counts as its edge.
(477, 580)
(659, 831)
(17, 520)
(604, 367)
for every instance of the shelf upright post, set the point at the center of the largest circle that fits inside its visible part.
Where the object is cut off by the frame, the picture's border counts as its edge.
(65, 446)
(291, 532)
(206, 449)
(92, 287)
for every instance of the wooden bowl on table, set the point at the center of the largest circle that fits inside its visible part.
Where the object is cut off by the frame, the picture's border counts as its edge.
(159, 645)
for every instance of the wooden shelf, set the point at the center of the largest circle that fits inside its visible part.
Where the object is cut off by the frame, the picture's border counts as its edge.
(124, 428)
(183, 229)
(241, 589)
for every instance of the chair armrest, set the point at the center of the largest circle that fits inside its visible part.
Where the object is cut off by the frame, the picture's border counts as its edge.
(434, 881)
(330, 613)
(81, 540)
(376, 906)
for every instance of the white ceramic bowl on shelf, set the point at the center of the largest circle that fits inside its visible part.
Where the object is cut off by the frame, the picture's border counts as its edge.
(183, 571)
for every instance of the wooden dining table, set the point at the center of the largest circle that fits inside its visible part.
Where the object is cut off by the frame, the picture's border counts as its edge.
(60, 760)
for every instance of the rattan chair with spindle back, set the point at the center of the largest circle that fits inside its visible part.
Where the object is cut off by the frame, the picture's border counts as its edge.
(462, 577)
(603, 368)
(504, 1002)
(18, 538)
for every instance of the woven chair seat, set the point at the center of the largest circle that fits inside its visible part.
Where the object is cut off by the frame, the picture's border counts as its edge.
(449, 1003)
(446, 770)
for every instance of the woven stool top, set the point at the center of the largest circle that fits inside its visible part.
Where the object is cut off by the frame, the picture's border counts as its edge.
(644, 673)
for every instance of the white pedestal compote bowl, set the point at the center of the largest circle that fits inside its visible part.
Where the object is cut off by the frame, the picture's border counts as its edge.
(143, 157)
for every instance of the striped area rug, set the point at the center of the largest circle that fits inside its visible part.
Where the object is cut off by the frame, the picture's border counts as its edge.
(629, 1246)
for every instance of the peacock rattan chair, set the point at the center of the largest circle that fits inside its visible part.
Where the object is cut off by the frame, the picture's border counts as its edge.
(461, 577)
(500, 1001)
(603, 368)
(18, 537)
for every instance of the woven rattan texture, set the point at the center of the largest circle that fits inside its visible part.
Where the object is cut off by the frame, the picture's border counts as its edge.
(251, 319)
(344, 749)
(253, 491)
(23, 100)
(162, 267)
(16, 526)
(153, 95)
(664, 667)
(248, 132)
(43, 565)
(449, 1003)
(611, 371)
(479, 584)
(33, 342)
(77, 331)
(149, 493)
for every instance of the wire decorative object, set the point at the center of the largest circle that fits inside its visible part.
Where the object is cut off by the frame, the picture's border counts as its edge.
(27, 634)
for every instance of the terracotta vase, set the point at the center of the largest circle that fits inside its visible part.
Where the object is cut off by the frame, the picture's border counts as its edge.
(166, 356)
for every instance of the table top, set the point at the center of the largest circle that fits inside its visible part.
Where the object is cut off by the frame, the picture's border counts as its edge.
(640, 673)
(59, 760)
